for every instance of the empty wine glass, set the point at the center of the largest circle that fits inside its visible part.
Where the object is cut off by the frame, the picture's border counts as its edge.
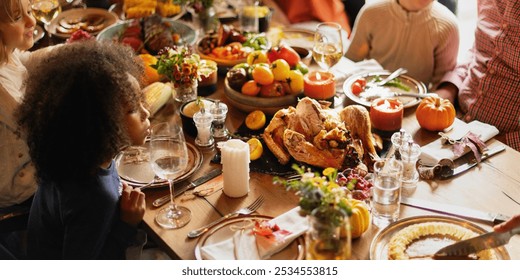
(169, 157)
(328, 45)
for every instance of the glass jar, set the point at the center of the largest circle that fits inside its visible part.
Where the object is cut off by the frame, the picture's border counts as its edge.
(186, 91)
(327, 237)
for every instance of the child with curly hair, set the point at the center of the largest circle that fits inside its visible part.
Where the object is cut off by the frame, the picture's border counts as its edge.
(82, 105)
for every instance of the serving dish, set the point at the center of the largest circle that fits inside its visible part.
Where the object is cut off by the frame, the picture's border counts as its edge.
(425, 246)
(133, 166)
(117, 9)
(91, 20)
(38, 33)
(269, 105)
(114, 32)
(366, 97)
(225, 230)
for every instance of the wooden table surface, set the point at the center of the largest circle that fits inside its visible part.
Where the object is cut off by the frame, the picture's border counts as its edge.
(483, 187)
(480, 188)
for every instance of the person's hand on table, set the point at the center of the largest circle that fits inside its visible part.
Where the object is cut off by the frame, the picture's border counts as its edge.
(508, 225)
(132, 205)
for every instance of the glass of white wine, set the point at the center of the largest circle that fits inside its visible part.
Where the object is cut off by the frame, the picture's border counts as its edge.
(45, 10)
(169, 157)
(328, 45)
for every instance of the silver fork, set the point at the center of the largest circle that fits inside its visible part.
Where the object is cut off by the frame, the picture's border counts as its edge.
(242, 211)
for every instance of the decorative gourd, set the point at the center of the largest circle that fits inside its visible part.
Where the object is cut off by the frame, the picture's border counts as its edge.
(435, 113)
(360, 219)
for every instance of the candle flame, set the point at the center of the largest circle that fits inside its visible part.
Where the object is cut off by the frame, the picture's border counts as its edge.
(387, 104)
(318, 76)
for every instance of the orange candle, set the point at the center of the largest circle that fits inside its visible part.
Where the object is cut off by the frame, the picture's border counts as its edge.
(319, 85)
(386, 114)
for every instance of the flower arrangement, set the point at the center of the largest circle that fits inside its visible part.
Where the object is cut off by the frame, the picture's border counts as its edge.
(320, 194)
(180, 65)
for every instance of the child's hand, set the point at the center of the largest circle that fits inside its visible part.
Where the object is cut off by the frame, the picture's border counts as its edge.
(132, 205)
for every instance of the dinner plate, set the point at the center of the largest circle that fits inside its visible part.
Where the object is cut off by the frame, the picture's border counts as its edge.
(38, 33)
(366, 97)
(117, 9)
(187, 34)
(133, 165)
(297, 37)
(430, 245)
(76, 15)
(224, 230)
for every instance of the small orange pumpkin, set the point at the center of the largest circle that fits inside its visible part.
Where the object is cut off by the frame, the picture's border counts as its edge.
(360, 219)
(435, 113)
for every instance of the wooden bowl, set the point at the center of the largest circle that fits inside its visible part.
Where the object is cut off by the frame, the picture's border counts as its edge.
(268, 105)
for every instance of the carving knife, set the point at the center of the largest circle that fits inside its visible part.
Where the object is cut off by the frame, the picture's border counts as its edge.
(476, 244)
(455, 210)
(195, 183)
(466, 166)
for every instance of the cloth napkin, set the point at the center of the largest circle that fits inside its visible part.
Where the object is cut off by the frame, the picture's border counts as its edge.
(246, 246)
(433, 152)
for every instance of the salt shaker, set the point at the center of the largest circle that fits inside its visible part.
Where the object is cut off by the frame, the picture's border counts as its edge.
(410, 153)
(398, 139)
(219, 110)
(203, 122)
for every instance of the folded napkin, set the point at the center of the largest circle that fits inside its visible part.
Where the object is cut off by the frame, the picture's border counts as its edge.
(244, 245)
(432, 153)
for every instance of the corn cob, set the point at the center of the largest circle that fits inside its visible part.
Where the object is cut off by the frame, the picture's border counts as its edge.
(156, 95)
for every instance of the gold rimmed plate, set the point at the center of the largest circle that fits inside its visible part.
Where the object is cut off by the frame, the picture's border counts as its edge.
(133, 166)
(91, 20)
(427, 245)
(366, 97)
(225, 230)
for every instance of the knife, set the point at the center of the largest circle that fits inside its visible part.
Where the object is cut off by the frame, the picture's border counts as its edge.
(197, 182)
(447, 173)
(476, 244)
(454, 210)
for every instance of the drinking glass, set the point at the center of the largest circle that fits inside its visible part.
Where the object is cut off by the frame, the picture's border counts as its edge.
(45, 10)
(328, 45)
(386, 192)
(169, 157)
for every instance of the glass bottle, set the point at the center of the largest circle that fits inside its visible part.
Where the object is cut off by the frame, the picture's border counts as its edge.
(219, 111)
(203, 121)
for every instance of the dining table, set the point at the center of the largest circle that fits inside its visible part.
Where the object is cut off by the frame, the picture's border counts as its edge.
(492, 186)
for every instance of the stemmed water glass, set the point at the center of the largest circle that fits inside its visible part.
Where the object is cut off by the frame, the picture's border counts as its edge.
(328, 45)
(169, 157)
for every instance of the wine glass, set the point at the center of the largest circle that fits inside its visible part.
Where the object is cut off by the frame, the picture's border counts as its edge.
(328, 45)
(169, 157)
(45, 10)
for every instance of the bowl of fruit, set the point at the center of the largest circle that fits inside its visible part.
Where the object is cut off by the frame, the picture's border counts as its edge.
(228, 46)
(268, 80)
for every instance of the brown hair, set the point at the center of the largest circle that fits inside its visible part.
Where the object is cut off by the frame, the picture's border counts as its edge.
(9, 11)
(74, 106)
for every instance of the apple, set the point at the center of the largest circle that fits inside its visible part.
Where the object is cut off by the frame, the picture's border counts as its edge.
(284, 52)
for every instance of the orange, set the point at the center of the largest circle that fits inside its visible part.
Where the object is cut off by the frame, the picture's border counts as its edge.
(255, 120)
(150, 74)
(262, 74)
(250, 88)
(255, 148)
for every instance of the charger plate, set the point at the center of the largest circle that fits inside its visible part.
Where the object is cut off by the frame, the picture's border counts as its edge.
(427, 245)
(133, 166)
(222, 231)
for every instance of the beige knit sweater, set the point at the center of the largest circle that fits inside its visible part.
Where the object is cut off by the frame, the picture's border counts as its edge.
(424, 42)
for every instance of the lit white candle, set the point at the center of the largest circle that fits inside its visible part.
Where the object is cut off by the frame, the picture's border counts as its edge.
(235, 167)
